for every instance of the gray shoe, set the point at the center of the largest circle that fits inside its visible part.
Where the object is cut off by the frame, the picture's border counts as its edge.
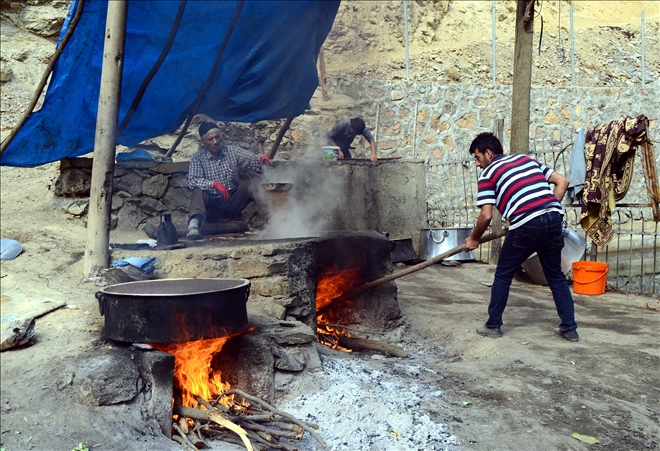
(193, 233)
(570, 335)
(494, 332)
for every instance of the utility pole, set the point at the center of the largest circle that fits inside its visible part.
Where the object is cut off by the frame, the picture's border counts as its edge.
(522, 77)
(97, 254)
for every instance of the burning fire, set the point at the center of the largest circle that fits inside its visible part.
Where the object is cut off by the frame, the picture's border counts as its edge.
(330, 286)
(193, 375)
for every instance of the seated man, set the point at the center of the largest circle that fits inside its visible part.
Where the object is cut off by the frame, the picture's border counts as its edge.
(345, 131)
(213, 179)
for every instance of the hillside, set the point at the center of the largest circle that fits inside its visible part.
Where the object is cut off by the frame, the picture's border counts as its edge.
(449, 41)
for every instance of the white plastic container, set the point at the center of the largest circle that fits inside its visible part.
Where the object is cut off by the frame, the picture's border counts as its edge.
(330, 152)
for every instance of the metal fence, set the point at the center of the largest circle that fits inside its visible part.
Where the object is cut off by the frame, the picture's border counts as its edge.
(632, 254)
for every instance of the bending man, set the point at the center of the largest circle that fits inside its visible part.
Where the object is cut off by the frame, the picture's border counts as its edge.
(213, 178)
(519, 188)
(345, 131)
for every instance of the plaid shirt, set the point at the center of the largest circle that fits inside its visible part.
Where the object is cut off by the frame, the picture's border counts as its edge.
(206, 169)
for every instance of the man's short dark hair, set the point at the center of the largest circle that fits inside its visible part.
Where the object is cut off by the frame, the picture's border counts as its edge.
(205, 127)
(485, 141)
(357, 124)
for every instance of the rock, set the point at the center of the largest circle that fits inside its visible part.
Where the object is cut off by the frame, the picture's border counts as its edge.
(74, 207)
(16, 333)
(131, 183)
(73, 182)
(107, 376)
(5, 73)
(130, 218)
(155, 186)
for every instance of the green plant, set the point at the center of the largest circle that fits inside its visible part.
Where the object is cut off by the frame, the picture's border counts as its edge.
(80, 447)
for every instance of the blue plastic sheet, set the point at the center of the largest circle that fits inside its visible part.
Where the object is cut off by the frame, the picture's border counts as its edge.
(268, 71)
(145, 264)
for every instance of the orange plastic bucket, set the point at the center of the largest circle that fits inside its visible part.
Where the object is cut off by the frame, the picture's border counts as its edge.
(589, 277)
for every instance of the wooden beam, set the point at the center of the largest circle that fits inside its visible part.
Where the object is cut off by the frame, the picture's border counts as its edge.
(279, 137)
(324, 86)
(97, 252)
(496, 224)
(522, 77)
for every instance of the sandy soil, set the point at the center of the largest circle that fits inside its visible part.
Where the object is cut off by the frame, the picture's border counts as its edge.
(528, 390)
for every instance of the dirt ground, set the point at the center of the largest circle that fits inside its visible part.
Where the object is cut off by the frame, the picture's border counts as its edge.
(530, 390)
(526, 391)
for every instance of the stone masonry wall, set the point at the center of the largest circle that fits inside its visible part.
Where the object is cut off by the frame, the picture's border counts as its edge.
(436, 122)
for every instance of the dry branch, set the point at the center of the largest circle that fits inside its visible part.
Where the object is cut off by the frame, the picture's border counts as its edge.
(270, 431)
(184, 439)
(255, 400)
(214, 416)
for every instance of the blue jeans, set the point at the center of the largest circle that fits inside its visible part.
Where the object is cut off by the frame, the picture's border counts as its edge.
(544, 236)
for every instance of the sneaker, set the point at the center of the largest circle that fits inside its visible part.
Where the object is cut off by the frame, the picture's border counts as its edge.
(193, 234)
(570, 335)
(493, 332)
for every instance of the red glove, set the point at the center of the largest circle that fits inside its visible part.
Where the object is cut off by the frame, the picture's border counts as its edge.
(265, 160)
(220, 187)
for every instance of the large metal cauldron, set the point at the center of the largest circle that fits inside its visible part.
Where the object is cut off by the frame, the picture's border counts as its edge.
(438, 241)
(174, 310)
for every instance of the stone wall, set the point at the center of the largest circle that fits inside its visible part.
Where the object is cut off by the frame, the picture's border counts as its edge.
(327, 196)
(436, 122)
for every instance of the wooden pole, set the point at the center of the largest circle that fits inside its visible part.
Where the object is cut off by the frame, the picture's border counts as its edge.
(279, 137)
(97, 253)
(496, 224)
(522, 77)
(324, 86)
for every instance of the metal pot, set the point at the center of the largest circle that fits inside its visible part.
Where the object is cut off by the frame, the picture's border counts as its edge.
(437, 241)
(174, 310)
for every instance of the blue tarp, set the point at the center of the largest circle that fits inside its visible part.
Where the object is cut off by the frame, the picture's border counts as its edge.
(268, 71)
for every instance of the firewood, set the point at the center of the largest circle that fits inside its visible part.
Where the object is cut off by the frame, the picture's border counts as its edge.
(274, 432)
(183, 424)
(183, 443)
(186, 442)
(372, 345)
(266, 436)
(214, 416)
(270, 445)
(255, 400)
(289, 426)
(262, 417)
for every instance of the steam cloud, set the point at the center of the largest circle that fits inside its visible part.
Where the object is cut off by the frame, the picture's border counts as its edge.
(313, 201)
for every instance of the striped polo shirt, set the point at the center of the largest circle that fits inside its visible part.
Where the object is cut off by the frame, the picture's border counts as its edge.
(518, 187)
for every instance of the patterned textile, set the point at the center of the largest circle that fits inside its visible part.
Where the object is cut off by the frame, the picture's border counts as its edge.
(206, 169)
(610, 155)
(518, 187)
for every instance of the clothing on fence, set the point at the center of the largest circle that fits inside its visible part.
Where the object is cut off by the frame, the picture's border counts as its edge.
(610, 155)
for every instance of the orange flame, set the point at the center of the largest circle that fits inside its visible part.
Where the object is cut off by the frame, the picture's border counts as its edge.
(193, 374)
(331, 286)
